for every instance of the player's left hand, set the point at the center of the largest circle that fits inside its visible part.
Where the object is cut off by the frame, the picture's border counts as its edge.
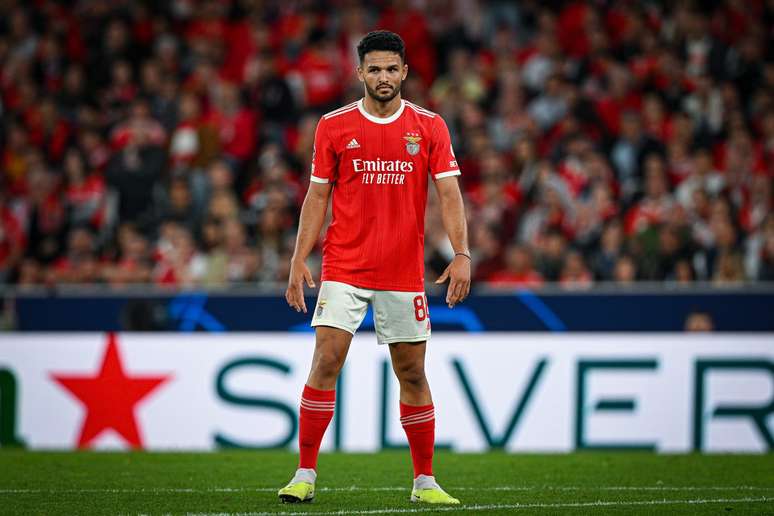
(459, 286)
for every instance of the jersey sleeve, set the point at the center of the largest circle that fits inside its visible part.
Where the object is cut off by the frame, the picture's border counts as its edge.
(443, 163)
(323, 155)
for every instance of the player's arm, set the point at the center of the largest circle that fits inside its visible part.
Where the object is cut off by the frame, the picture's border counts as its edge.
(324, 161)
(453, 214)
(311, 221)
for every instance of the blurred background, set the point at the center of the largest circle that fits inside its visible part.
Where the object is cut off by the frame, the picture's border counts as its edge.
(617, 166)
(614, 144)
(168, 143)
(602, 143)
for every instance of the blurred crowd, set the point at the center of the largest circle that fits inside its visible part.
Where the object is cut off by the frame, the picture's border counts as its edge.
(600, 141)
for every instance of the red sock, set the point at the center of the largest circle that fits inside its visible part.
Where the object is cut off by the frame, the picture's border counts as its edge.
(315, 414)
(419, 424)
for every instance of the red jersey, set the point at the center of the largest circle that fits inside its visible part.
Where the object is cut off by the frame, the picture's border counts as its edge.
(379, 168)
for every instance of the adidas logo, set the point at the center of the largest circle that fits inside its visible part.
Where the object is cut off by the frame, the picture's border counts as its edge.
(353, 144)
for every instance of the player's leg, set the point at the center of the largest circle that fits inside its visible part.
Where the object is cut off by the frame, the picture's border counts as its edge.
(319, 397)
(402, 321)
(339, 312)
(417, 416)
(318, 401)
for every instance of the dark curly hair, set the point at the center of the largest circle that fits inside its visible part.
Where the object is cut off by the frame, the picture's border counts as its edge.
(381, 40)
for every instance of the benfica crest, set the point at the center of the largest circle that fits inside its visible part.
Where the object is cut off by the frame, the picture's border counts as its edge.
(412, 143)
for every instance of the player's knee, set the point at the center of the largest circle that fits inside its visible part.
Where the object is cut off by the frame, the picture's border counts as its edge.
(412, 375)
(327, 364)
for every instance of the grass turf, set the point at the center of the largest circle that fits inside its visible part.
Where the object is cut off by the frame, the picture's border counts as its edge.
(494, 483)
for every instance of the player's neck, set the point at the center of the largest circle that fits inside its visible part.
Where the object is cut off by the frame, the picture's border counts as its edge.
(381, 109)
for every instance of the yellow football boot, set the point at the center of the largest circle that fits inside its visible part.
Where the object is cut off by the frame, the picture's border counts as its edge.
(300, 488)
(296, 492)
(426, 490)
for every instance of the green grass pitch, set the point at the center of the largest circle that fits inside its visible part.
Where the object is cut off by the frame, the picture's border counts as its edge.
(245, 482)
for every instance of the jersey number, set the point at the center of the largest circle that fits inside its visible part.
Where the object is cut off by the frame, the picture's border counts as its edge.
(420, 308)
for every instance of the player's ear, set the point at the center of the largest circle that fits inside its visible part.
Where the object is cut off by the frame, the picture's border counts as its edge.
(405, 71)
(359, 71)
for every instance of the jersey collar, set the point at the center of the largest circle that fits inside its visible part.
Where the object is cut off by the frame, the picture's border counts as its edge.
(378, 120)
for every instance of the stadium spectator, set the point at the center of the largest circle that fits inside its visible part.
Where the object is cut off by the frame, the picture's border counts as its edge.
(625, 271)
(495, 200)
(179, 205)
(177, 261)
(486, 249)
(702, 178)
(766, 267)
(728, 269)
(653, 208)
(85, 193)
(133, 261)
(231, 259)
(553, 210)
(699, 322)
(629, 151)
(518, 270)
(134, 172)
(553, 249)
(236, 125)
(319, 72)
(269, 93)
(79, 264)
(30, 274)
(610, 249)
(575, 275)
(12, 240)
(194, 141)
(510, 121)
(551, 105)
(683, 273)
(45, 214)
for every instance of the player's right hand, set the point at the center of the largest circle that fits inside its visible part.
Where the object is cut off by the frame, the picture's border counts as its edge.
(458, 271)
(294, 295)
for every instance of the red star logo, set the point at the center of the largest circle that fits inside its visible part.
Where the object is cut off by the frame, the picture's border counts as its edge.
(110, 397)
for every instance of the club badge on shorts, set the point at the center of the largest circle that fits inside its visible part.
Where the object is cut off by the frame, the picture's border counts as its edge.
(320, 307)
(412, 143)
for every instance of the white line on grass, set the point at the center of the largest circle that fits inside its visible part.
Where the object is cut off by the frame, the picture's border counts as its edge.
(497, 507)
(616, 488)
(167, 490)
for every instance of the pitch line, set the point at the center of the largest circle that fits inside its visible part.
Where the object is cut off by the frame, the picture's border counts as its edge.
(497, 507)
(172, 490)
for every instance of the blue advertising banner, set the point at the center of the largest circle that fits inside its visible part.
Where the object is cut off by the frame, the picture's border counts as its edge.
(521, 310)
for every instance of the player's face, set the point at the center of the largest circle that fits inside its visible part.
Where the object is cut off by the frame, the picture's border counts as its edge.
(382, 72)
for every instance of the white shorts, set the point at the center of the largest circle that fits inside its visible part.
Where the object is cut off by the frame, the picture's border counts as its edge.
(398, 316)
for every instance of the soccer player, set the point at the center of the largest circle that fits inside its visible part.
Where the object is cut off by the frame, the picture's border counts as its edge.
(373, 157)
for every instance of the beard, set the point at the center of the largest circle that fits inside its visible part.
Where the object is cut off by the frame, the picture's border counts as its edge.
(374, 94)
